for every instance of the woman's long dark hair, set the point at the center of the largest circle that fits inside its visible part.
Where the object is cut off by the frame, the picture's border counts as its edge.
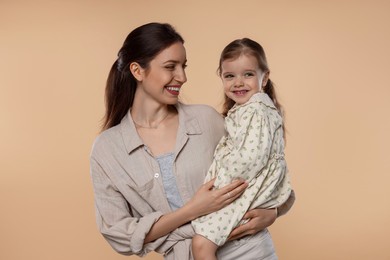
(141, 46)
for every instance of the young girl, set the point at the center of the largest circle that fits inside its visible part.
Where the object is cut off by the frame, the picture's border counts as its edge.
(253, 148)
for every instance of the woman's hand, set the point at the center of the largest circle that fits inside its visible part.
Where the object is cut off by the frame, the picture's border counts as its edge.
(259, 219)
(207, 200)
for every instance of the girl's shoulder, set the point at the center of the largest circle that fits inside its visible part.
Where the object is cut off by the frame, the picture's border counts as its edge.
(262, 99)
(259, 103)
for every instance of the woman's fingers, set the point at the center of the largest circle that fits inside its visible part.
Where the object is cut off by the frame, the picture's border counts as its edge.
(232, 186)
(207, 200)
(258, 219)
(209, 185)
(242, 231)
(250, 214)
(233, 190)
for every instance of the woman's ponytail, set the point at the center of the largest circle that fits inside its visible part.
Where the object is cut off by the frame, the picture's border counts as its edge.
(119, 95)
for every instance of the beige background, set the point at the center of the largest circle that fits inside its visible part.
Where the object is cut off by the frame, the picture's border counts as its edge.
(329, 59)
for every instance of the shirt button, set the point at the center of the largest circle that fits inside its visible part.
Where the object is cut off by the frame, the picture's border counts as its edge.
(156, 175)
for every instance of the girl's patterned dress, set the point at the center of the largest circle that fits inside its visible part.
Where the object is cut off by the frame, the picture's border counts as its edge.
(253, 149)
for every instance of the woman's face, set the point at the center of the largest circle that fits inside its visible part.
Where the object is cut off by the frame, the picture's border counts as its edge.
(241, 78)
(164, 77)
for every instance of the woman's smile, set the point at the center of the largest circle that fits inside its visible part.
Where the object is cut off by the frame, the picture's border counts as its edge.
(173, 89)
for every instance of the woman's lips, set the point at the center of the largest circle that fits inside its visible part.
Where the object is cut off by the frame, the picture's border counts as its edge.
(174, 90)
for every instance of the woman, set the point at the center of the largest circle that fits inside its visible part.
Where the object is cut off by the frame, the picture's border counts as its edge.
(149, 163)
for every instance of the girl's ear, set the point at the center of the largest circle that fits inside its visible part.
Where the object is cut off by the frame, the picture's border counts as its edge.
(136, 70)
(265, 79)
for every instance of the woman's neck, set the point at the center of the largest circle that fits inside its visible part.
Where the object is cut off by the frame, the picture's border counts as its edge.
(148, 113)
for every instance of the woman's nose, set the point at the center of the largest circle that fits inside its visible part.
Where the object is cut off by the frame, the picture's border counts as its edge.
(181, 76)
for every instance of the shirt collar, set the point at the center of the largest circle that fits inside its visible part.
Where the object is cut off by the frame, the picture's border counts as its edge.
(188, 124)
(129, 133)
(187, 120)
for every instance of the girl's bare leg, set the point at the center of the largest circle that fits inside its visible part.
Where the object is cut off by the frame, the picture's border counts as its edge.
(203, 249)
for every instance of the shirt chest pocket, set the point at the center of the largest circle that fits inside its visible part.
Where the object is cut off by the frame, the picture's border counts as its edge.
(148, 197)
(143, 183)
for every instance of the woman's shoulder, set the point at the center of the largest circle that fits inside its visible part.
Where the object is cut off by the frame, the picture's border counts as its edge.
(106, 140)
(200, 110)
(206, 117)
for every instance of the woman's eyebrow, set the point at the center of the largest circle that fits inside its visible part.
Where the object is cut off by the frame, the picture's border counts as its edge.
(174, 61)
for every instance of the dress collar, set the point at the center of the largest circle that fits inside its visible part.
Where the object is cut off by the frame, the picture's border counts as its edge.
(262, 98)
(259, 97)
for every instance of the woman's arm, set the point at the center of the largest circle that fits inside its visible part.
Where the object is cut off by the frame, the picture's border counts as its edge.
(129, 235)
(204, 201)
(119, 227)
(260, 219)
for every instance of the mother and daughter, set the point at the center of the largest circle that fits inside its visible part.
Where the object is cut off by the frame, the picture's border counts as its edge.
(180, 179)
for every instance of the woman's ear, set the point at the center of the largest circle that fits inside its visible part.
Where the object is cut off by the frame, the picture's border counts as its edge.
(136, 70)
(265, 79)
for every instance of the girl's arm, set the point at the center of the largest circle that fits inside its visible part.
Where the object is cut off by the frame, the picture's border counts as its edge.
(204, 201)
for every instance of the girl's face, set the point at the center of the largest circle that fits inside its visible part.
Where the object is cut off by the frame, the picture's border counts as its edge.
(242, 77)
(163, 79)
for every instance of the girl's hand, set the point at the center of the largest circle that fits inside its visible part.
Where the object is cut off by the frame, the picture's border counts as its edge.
(207, 200)
(259, 219)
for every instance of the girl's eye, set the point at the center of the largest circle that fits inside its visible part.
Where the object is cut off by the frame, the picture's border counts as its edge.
(185, 66)
(249, 74)
(228, 76)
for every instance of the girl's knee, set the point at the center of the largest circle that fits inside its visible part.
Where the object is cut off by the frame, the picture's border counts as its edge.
(202, 248)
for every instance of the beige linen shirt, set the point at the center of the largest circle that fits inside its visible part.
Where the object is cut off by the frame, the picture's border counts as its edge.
(129, 194)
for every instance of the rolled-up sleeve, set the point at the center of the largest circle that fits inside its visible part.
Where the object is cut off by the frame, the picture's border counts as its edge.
(176, 238)
(125, 233)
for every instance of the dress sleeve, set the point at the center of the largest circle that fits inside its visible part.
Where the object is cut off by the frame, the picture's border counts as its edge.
(248, 144)
(123, 232)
